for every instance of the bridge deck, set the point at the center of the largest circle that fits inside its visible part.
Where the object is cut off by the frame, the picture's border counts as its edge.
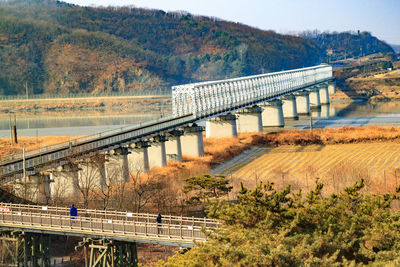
(126, 226)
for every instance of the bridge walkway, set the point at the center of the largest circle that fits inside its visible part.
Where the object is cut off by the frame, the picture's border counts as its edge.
(111, 225)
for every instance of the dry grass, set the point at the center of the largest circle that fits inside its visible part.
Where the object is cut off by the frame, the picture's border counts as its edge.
(30, 143)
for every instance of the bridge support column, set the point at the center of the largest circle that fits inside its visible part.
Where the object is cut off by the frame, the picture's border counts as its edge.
(249, 120)
(324, 94)
(65, 182)
(192, 141)
(325, 111)
(289, 107)
(139, 157)
(34, 188)
(157, 155)
(173, 146)
(303, 103)
(117, 166)
(332, 87)
(315, 100)
(92, 172)
(272, 115)
(222, 126)
(102, 252)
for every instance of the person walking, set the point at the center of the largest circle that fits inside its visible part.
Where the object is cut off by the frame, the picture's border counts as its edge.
(158, 219)
(73, 211)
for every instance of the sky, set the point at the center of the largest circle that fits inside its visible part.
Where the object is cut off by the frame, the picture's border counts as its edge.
(380, 17)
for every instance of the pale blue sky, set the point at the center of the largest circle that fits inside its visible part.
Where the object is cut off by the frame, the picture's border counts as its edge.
(380, 17)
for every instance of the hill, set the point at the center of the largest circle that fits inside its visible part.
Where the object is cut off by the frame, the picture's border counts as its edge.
(48, 46)
(347, 44)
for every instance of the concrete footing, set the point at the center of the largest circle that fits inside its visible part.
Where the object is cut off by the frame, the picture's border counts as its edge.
(272, 115)
(192, 141)
(157, 155)
(222, 126)
(315, 100)
(249, 120)
(289, 107)
(303, 103)
(324, 94)
(173, 146)
(139, 157)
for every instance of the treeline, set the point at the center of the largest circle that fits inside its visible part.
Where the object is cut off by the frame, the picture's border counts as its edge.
(48, 46)
(348, 44)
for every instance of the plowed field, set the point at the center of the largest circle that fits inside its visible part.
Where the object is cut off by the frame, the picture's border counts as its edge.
(336, 166)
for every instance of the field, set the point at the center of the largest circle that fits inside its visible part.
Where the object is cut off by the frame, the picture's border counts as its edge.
(336, 165)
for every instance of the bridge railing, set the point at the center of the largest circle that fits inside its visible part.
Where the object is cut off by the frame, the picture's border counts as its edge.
(111, 215)
(207, 98)
(110, 228)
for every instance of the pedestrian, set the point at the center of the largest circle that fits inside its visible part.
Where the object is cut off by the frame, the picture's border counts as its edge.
(73, 211)
(158, 219)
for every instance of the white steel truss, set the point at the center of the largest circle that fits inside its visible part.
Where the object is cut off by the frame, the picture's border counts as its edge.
(207, 98)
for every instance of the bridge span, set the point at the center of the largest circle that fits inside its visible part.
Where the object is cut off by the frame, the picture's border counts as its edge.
(29, 224)
(245, 104)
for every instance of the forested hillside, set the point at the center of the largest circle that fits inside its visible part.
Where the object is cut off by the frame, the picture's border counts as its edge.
(347, 44)
(48, 46)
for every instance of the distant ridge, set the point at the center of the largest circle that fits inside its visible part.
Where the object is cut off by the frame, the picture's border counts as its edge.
(53, 47)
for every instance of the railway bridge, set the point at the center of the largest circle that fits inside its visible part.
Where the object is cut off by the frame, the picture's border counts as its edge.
(245, 104)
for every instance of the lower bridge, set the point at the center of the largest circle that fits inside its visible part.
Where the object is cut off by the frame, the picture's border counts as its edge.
(109, 237)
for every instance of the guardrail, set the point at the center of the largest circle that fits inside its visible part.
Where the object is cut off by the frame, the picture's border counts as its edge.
(110, 215)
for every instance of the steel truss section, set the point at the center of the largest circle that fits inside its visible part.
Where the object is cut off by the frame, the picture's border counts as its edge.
(109, 253)
(208, 98)
(23, 249)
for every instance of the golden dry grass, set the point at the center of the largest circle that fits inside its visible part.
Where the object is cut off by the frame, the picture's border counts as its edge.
(30, 143)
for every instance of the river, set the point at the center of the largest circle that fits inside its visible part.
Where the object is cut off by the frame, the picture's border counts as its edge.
(90, 122)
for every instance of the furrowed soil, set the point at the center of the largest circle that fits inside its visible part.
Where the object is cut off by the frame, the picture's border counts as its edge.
(337, 166)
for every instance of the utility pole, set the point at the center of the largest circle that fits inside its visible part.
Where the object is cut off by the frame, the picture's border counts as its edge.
(11, 131)
(24, 169)
(26, 90)
(15, 129)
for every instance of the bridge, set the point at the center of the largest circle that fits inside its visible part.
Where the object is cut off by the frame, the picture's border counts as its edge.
(229, 106)
(105, 234)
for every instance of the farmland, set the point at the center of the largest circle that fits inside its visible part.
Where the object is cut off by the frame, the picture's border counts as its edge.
(336, 165)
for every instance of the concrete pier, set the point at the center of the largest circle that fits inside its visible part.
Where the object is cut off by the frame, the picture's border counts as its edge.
(325, 111)
(222, 126)
(192, 141)
(332, 87)
(272, 115)
(324, 94)
(65, 182)
(289, 107)
(138, 159)
(35, 188)
(117, 165)
(249, 120)
(315, 100)
(157, 155)
(303, 103)
(173, 146)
